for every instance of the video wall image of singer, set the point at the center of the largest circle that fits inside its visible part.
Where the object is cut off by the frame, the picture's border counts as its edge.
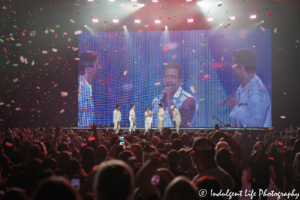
(208, 75)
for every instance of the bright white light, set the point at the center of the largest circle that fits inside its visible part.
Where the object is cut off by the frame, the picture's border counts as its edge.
(252, 16)
(190, 20)
(115, 21)
(133, 0)
(137, 21)
(221, 24)
(210, 19)
(188, 0)
(206, 5)
(95, 20)
(157, 21)
(111, 0)
(232, 17)
(155, 1)
(90, 0)
(166, 27)
(262, 21)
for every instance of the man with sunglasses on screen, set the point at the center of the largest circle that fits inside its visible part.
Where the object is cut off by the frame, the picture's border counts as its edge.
(88, 71)
(251, 106)
(173, 94)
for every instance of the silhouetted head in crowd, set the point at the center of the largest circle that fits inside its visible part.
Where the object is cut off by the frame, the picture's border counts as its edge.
(221, 145)
(138, 152)
(155, 140)
(114, 180)
(209, 183)
(259, 148)
(106, 143)
(181, 188)
(45, 174)
(88, 159)
(185, 160)
(63, 147)
(101, 153)
(15, 194)
(34, 152)
(125, 155)
(63, 159)
(187, 139)
(58, 188)
(177, 144)
(73, 167)
(203, 153)
(174, 136)
(173, 158)
(48, 163)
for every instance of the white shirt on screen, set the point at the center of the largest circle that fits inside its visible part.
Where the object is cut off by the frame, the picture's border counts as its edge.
(149, 118)
(161, 114)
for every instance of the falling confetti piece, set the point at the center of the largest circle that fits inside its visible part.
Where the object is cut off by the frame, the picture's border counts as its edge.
(201, 71)
(282, 117)
(150, 29)
(58, 26)
(78, 32)
(179, 20)
(76, 58)
(111, 36)
(1, 103)
(169, 18)
(125, 73)
(1, 40)
(269, 15)
(64, 94)
(18, 108)
(165, 63)
(141, 30)
(193, 89)
(270, 128)
(193, 51)
(203, 43)
(45, 52)
(157, 83)
(15, 65)
(224, 102)
(202, 99)
(205, 77)
(182, 40)
(54, 50)
(174, 56)
(15, 80)
(63, 110)
(262, 100)
(22, 59)
(166, 48)
(71, 20)
(262, 28)
(32, 63)
(220, 5)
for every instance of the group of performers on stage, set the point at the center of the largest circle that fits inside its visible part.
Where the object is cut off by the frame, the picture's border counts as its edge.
(148, 118)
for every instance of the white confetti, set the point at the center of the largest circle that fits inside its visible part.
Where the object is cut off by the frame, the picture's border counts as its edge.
(45, 52)
(71, 20)
(78, 32)
(22, 59)
(157, 83)
(297, 41)
(32, 63)
(18, 108)
(1, 103)
(54, 50)
(282, 117)
(52, 30)
(38, 88)
(76, 58)
(13, 39)
(63, 110)
(275, 30)
(125, 73)
(46, 31)
(262, 28)
(15, 80)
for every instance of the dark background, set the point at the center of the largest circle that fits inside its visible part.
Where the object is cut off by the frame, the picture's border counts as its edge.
(57, 71)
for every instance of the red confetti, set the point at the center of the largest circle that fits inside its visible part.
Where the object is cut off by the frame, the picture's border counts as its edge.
(94, 54)
(141, 30)
(5, 50)
(55, 35)
(129, 90)
(166, 48)
(271, 158)
(163, 29)
(205, 77)
(111, 36)
(78, 12)
(269, 15)
(179, 20)
(169, 18)
(224, 102)
(91, 138)
(83, 81)
(8, 144)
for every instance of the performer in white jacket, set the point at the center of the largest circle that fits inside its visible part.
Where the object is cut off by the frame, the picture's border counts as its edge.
(117, 118)
(132, 118)
(176, 117)
(161, 117)
(148, 119)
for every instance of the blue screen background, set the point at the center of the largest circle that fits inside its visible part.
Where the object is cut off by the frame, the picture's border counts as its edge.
(133, 63)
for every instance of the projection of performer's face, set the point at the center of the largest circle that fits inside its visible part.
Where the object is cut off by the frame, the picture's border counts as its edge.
(171, 80)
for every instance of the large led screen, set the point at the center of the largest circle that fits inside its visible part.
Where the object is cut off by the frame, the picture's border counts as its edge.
(208, 75)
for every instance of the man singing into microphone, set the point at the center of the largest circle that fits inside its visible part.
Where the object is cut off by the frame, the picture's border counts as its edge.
(117, 118)
(132, 118)
(173, 94)
(176, 117)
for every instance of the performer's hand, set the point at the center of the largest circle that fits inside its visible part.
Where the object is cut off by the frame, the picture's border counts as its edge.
(168, 91)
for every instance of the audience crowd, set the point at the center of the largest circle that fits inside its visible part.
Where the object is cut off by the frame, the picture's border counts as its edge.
(41, 164)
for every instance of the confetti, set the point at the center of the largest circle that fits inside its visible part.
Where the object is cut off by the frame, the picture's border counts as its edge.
(76, 58)
(64, 94)
(262, 100)
(174, 56)
(125, 73)
(58, 26)
(15, 65)
(203, 43)
(141, 30)
(182, 40)
(193, 89)
(220, 5)
(150, 29)
(18, 108)
(91, 138)
(165, 63)
(169, 18)
(205, 77)
(54, 50)
(1, 103)
(71, 20)
(32, 63)
(78, 32)
(157, 83)
(22, 59)
(111, 36)
(1, 40)
(193, 51)
(179, 20)
(282, 117)
(63, 110)
(270, 128)
(269, 15)
(45, 52)
(202, 99)
(262, 28)
(15, 80)
(166, 48)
